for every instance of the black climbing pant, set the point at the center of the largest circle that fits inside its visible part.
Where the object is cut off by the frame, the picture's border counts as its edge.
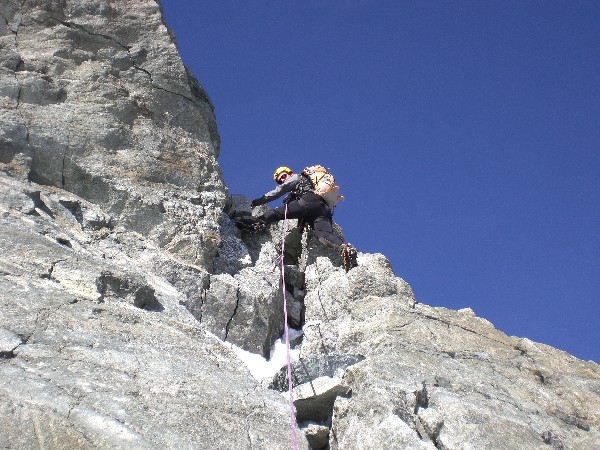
(315, 213)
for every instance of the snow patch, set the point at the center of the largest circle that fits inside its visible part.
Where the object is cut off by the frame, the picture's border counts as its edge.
(262, 369)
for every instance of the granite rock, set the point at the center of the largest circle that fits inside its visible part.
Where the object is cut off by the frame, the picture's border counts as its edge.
(95, 99)
(122, 274)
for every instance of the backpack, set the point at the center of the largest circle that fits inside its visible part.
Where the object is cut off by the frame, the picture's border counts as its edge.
(323, 184)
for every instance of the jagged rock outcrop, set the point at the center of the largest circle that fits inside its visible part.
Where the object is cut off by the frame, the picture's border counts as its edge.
(436, 378)
(95, 100)
(121, 274)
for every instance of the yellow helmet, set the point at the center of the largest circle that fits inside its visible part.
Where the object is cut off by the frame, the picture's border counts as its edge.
(280, 170)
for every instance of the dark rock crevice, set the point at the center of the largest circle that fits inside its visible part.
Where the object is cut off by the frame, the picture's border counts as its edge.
(74, 207)
(9, 354)
(407, 408)
(430, 432)
(553, 439)
(78, 27)
(48, 275)
(38, 203)
(18, 64)
(307, 369)
(202, 298)
(9, 344)
(229, 322)
(421, 398)
(134, 291)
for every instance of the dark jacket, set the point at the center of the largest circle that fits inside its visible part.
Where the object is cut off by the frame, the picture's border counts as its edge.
(296, 184)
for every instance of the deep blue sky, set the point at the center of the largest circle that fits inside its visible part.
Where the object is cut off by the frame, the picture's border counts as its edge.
(465, 136)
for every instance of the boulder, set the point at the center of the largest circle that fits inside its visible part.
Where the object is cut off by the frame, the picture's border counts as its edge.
(314, 400)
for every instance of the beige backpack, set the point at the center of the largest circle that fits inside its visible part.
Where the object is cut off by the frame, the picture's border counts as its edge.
(324, 184)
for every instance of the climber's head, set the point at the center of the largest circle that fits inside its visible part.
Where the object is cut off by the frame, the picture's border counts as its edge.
(281, 174)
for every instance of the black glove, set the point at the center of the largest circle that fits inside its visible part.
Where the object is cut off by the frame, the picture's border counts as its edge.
(249, 223)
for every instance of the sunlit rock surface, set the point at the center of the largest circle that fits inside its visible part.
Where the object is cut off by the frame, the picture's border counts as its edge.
(124, 283)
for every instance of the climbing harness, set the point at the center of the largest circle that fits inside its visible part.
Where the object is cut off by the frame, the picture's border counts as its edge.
(287, 336)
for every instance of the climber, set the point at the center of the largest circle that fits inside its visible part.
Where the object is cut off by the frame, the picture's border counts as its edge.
(305, 204)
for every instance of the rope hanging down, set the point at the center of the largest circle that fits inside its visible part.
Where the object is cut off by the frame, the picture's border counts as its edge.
(287, 336)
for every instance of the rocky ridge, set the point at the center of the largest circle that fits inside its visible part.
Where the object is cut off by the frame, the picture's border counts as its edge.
(123, 278)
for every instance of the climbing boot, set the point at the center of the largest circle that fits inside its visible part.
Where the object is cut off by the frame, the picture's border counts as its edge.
(250, 223)
(349, 255)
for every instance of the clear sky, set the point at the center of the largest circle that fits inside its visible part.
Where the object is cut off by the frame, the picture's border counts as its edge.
(465, 136)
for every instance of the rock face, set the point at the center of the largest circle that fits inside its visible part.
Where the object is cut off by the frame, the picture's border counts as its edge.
(96, 347)
(123, 281)
(436, 378)
(95, 100)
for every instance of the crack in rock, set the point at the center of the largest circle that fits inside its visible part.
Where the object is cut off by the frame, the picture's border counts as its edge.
(430, 431)
(451, 324)
(53, 264)
(9, 343)
(422, 398)
(153, 83)
(237, 303)
(20, 89)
